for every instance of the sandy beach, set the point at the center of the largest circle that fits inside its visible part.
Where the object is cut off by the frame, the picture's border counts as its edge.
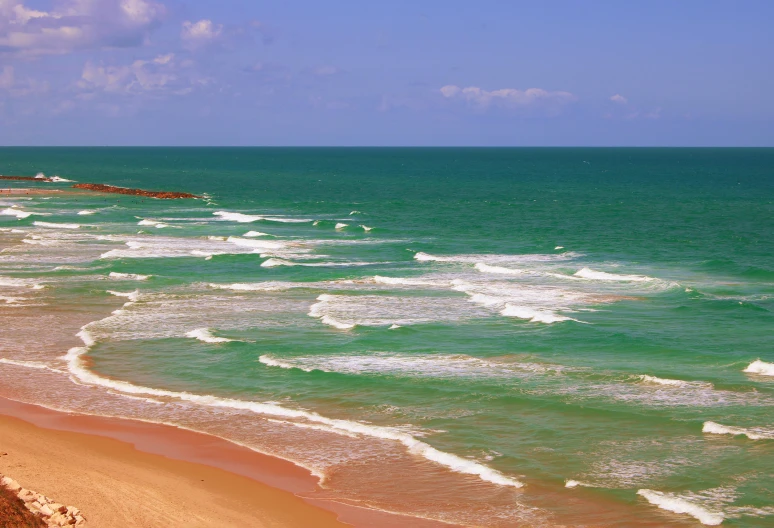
(116, 484)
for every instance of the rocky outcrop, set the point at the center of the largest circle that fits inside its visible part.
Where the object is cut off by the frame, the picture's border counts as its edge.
(53, 514)
(164, 195)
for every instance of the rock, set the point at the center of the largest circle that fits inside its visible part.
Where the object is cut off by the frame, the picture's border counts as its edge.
(164, 195)
(10, 483)
(46, 510)
(61, 508)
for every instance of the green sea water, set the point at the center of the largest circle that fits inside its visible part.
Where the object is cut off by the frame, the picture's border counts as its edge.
(488, 337)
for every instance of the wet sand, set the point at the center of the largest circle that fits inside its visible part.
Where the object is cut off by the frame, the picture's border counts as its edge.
(128, 473)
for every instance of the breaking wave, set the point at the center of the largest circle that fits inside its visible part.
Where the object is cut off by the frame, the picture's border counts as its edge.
(753, 433)
(205, 335)
(760, 367)
(676, 504)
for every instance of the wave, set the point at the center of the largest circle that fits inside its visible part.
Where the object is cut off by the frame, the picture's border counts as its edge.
(18, 213)
(472, 259)
(400, 281)
(204, 334)
(132, 296)
(330, 321)
(30, 364)
(760, 367)
(753, 433)
(255, 234)
(533, 315)
(257, 286)
(77, 368)
(438, 366)
(56, 226)
(673, 503)
(570, 483)
(59, 179)
(275, 262)
(237, 217)
(672, 382)
(244, 218)
(153, 223)
(87, 212)
(366, 228)
(341, 225)
(486, 268)
(256, 244)
(128, 276)
(587, 273)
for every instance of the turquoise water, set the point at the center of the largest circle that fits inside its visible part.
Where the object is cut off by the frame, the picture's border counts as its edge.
(492, 337)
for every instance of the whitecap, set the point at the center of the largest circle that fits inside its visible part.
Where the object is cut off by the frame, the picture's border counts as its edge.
(132, 296)
(587, 273)
(255, 234)
(128, 276)
(760, 367)
(673, 503)
(204, 334)
(366, 228)
(486, 268)
(86, 212)
(341, 225)
(56, 226)
(533, 315)
(256, 244)
(237, 217)
(59, 179)
(753, 433)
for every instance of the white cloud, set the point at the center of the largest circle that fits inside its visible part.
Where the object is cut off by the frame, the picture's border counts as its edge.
(141, 76)
(508, 97)
(199, 33)
(618, 98)
(76, 24)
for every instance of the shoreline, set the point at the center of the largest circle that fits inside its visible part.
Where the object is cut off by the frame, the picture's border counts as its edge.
(280, 492)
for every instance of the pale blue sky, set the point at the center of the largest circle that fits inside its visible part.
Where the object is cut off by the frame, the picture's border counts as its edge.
(241, 72)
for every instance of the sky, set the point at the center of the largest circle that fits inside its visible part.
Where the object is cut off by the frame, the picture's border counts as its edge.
(397, 73)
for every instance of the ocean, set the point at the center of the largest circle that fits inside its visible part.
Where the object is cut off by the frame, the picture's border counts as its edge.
(487, 337)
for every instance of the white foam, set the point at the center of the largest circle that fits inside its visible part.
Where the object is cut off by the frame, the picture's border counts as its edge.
(59, 179)
(472, 259)
(587, 273)
(128, 276)
(575, 483)
(404, 281)
(18, 213)
(753, 433)
(154, 223)
(366, 228)
(354, 213)
(256, 286)
(274, 262)
(244, 218)
(56, 226)
(662, 381)
(673, 503)
(132, 296)
(440, 366)
(237, 217)
(255, 234)
(78, 369)
(486, 268)
(86, 212)
(534, 316)
(559, 247)
(204, 334)
(341, 225)
(760, 367)
(29, 364)
(256, 244)
(40, 176)
(330, 321)
(394, 327)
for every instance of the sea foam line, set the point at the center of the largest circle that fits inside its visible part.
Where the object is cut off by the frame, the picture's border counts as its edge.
(128, 276)
(55, 225)
(77, 368)
(673, 503)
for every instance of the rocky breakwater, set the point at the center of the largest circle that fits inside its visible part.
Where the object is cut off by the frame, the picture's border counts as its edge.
(164, 195)
(53, 514)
